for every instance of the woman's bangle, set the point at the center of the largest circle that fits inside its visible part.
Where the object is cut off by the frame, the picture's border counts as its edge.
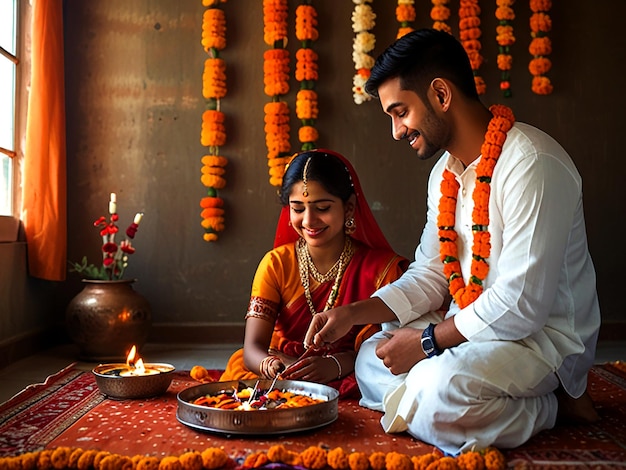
(336, 362)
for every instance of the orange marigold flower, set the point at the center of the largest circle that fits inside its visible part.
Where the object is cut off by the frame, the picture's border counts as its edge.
(199, 373)
(214, 78)
(99, 456)
(540, 5)
(214, 160)
(213, 29)
(421, 462)
(314, 458)
(256, 460)
(469, 22)
(213, 130)
(213, 181)
(191, 460)
(276, 72)
(540, 46)
(505, 13)
(542, 85)
(440, 13)
(358, 461)
(470, 34)
(211, 201)
(306, 104)
(480, 269)
(539, 66)
(405, 13)
(540, 22)
(444, 463)
(214, 458)
(147, 463)
(275, 13)
(505, 61)
(170, 463)
(494, 460)
(307, 134)
(471, 461)
(377, 460)
(398, 461)
(338, 459)
(306, 64)
(306, 23)
(403, 31)
(442, 26)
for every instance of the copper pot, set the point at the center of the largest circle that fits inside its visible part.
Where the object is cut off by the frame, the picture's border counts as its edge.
(107, 318)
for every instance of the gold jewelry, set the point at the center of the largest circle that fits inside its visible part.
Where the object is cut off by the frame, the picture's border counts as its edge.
(350, 226)
(305, 193)
(336, 362)
(307, 269)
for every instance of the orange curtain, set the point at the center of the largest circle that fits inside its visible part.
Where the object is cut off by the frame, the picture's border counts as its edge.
(44, 199)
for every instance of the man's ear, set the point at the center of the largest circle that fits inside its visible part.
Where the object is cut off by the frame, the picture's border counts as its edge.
(442, 92)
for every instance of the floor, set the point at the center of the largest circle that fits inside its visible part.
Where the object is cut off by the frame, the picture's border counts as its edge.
(35, 368)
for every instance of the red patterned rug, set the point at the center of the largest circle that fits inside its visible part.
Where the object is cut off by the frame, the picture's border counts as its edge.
(68, 410)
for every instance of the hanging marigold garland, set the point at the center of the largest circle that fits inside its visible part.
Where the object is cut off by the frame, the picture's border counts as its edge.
(213, 134)
(470, 33)
(440, 14)
(306, 74)
(276, 81)
(540, 46)
(405, 15)
(363, 21)
(505, 39)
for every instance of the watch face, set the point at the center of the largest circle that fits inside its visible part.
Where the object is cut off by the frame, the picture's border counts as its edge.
(427, 345)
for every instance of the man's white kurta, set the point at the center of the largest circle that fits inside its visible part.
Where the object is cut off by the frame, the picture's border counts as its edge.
(541, 288)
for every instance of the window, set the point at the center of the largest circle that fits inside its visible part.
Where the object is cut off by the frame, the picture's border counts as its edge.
(8, 93)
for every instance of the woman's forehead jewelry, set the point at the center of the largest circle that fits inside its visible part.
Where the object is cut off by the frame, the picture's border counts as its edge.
(305, 193)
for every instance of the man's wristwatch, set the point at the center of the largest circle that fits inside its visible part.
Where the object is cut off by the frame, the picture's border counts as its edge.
(429, 345)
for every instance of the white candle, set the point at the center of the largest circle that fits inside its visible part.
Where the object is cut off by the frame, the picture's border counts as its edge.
(138, 218)
(113, 197)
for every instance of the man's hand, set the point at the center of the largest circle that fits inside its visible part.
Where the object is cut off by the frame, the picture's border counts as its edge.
(402, 350)
(327, 327)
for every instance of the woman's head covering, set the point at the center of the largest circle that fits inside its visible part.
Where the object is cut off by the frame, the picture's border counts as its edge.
(367, 230)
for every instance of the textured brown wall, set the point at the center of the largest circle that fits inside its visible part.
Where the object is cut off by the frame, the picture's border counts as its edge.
(134, 103)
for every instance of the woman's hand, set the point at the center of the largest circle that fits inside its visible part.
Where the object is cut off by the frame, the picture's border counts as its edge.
(319, 369)
(271, 367)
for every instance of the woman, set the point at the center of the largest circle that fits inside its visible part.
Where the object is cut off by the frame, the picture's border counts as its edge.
(328, 251)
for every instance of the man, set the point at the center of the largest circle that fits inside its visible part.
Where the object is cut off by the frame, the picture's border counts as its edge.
(505, 237)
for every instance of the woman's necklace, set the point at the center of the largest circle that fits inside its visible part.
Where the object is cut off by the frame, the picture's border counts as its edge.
(502, 121)
(307, 270)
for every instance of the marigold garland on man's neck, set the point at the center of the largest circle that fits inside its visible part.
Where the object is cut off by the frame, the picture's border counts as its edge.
(502, 121)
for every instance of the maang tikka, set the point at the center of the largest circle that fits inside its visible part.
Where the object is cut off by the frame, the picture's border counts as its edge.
(305, 192)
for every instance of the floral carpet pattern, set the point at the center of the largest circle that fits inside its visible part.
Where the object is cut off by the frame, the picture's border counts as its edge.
(69, 410)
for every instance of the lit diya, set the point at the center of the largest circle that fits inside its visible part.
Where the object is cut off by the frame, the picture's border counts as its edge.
(133, 379)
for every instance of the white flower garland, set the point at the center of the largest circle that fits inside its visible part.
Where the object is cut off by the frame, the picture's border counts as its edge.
(363, 20)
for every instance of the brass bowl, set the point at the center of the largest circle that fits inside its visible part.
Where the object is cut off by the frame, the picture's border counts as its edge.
(258, 422)
(129, 387)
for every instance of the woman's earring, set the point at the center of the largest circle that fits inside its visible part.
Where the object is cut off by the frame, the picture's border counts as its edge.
(350, 226)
